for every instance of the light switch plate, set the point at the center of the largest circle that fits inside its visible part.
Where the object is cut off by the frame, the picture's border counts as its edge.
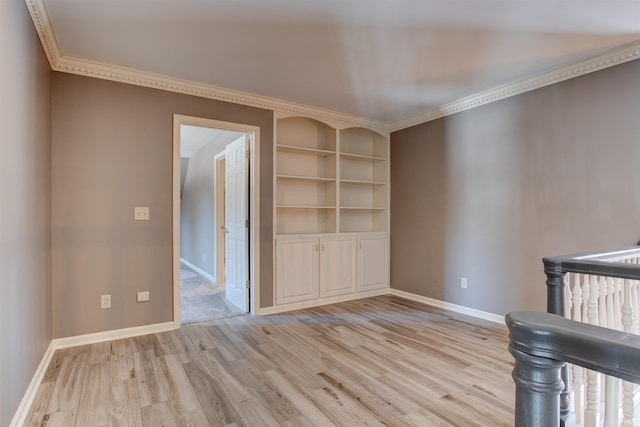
(143, 296)
(141, 213)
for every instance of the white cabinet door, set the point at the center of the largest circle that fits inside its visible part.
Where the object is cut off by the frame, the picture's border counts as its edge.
(337, 265)
(297, 269)
(373, 261)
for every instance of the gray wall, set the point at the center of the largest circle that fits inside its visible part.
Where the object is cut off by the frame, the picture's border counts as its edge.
(112, 148)
(198, 211)
(25, 212)
(486, 193)
(184, 167)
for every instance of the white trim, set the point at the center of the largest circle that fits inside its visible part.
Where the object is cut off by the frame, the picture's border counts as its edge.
(324, 301)
(615, 56)
(449, 306)
(199, 270)
(30, 394)
(254, 206)
(115, 334)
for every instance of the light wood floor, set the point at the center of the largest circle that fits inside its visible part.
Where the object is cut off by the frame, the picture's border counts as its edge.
(378, 361)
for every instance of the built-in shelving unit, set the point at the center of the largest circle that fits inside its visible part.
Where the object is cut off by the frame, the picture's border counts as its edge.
(363, 180)
(305, 177)
(331, 212)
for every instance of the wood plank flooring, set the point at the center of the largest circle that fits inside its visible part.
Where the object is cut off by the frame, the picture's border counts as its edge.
(377, 361)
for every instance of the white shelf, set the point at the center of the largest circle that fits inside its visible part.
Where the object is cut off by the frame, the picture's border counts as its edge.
(355, 181)
(362, 208)
(305, 178)
(304, 207)
(304, 150)
(360, 157)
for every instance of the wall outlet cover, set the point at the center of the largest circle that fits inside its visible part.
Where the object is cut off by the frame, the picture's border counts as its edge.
(141, 213)
(105, 301)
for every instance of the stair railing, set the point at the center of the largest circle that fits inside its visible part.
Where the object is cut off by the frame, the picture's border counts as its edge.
(602, 289)
(542, 344)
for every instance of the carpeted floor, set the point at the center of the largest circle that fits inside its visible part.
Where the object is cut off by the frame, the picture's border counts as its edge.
(202, 300)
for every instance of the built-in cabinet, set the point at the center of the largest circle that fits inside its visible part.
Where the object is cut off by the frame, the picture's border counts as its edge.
(331, 212)
(373, 262)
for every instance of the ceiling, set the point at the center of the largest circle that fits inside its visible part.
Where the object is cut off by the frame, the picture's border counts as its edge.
(383, 60)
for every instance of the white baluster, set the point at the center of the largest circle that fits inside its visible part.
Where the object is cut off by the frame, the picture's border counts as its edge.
(627, 404)
(586, 296)
(577, 374)
(627, 307)
(592, 412)
(609, 291)
(592, 305)
(602, 302)
(627, 326)
(634, 306)
(577, 298)
(611, 401)
(568, 298)
(617, 304)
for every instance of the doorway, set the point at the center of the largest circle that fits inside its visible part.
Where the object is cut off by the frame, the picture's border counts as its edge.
(195, 245)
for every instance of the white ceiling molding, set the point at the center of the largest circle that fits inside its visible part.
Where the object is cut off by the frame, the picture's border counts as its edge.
(59, 62)
(620, 55)
(42, 22)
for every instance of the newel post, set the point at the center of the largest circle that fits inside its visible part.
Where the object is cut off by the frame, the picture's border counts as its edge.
(538, 386)
(555, 305)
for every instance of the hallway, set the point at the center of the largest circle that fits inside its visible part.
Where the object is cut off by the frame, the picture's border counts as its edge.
(202, 300)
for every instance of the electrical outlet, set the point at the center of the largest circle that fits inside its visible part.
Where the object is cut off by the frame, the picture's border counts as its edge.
(463, 283)
(141, 213)
(142, 296)
(105, 301)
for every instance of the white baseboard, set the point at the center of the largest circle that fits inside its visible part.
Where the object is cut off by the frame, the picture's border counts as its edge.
(199, 270)
(25, 405)
(324, 301)
(449, 306)
(116, 334)
(27, 400)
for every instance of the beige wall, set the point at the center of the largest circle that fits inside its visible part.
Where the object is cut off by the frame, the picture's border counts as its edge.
(112, 148)
(486, 193)
(25, 207)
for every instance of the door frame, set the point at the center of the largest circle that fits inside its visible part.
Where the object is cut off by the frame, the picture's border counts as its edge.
(254, 204)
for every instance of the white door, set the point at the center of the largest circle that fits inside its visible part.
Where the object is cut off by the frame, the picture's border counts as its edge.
(237, 224)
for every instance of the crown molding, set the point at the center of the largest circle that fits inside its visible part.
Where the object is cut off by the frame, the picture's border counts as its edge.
(616, 56)
(59, 62)
(42, 22)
